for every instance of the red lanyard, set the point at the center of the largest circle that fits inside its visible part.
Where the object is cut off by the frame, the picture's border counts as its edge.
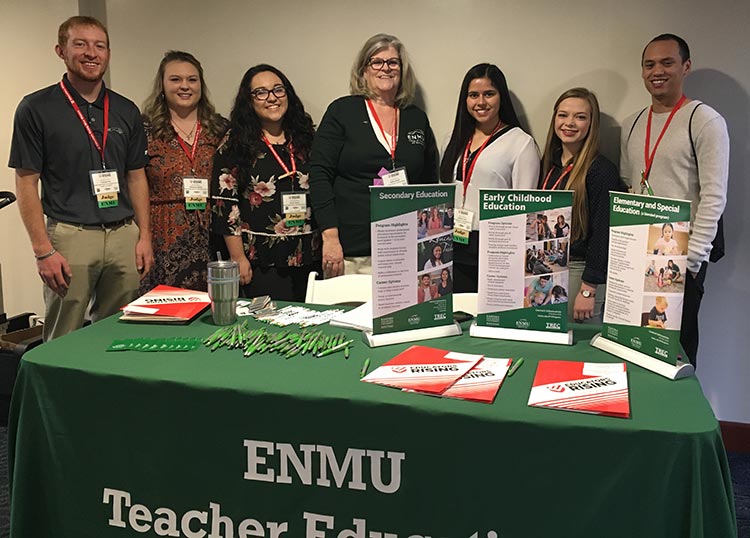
(394, 131)
(191, 152)
(293, 173)
(559, 179)
(467, 176)
(649, 160)
(99, 147)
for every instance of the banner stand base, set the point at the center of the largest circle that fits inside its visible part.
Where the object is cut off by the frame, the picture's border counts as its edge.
(641, 359)
(500, 333)
(414, 335)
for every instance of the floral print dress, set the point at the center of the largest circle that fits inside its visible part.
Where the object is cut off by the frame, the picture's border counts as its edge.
(247, 201)
(180, 237)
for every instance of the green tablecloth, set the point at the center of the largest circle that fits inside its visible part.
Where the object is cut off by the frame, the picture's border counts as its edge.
(202, 444)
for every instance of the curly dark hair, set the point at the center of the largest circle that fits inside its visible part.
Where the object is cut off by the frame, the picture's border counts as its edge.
(245, 136)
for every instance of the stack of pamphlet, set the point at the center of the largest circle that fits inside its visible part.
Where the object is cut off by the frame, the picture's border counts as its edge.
(165, 304)
(586, 387)
(438, 372)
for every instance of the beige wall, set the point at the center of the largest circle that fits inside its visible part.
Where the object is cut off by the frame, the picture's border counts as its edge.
(28, 33)
(543, 46)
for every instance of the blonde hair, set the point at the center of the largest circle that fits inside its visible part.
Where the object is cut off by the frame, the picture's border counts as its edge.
(581, 162)
(379, 42)
(155, 108)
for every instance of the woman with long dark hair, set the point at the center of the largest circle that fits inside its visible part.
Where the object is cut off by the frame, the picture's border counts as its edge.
(183, 131)
(487, 149)
(572, 161)
(260, 182)
(445, 286)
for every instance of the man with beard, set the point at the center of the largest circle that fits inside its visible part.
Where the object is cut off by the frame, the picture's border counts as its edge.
(87, 145)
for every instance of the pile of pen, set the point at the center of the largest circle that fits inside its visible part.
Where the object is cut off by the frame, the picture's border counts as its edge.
(286, 343)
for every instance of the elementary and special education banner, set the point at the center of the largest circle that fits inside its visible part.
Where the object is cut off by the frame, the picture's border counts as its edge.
(524, 247)
(412, 257)
(648, 242)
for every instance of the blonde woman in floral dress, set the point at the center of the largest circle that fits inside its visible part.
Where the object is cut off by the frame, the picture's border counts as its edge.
(260, 185)
(183, 132)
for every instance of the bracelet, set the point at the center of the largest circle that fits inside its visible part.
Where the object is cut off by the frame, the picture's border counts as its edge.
(45, 256)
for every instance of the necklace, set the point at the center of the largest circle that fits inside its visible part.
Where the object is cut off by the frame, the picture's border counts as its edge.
(188, 136)
(279, 139)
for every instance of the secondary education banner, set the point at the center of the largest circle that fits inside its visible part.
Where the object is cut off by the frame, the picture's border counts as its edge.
(412, 257)
(523, 259)
(648, 241)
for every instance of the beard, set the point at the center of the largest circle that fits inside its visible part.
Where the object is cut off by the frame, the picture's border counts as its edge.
(87, 75)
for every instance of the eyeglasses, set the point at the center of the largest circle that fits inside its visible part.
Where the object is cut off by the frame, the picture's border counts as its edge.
(379, 63)
(261, 94)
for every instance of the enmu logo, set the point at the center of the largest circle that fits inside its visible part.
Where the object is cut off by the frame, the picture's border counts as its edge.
(523, 324)
(416, 137)
(636, 342)
(398, 369)
(413, 319)
(557, 388)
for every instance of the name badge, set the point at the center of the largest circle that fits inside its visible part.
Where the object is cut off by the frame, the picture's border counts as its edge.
(295, 208)
(395, 178)
(195, 190)
(105, 185)
(462, 219)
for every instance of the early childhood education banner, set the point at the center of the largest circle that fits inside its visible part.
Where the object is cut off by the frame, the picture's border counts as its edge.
(524, 245)
(648, 242)
(412, 257)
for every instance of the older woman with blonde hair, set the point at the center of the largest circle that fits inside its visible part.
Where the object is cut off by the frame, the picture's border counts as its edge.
(183, 131)
(572, 161)
(375, 130)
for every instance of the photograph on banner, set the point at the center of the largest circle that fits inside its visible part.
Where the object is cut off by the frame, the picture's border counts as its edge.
(412, 256)
(435, 252)
(434, 220)
(548, 225)
(546, 289)
(549, 256)
(668, 239)
(662, 311)
(646, 277)
(435, 285)
(523, 259)
(665, 274)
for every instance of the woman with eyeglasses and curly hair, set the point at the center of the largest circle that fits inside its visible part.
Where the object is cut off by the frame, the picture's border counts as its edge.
(375, 129)
(260, 185)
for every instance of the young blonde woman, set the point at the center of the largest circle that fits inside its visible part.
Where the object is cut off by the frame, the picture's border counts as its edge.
(572, 161)
(183, 131)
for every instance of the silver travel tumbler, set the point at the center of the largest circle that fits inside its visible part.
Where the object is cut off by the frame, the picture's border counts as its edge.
(223, 290)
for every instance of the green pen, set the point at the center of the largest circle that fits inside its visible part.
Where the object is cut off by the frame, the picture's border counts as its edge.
(334, 349)
(365, 366)
(515, 366)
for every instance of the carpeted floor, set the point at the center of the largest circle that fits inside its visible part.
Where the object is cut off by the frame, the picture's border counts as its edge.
(739, 464)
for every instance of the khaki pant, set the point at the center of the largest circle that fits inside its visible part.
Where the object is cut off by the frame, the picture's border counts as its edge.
(102, 261)
(358, 265)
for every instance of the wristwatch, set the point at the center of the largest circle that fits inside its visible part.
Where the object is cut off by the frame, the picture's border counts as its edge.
(587, 293)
